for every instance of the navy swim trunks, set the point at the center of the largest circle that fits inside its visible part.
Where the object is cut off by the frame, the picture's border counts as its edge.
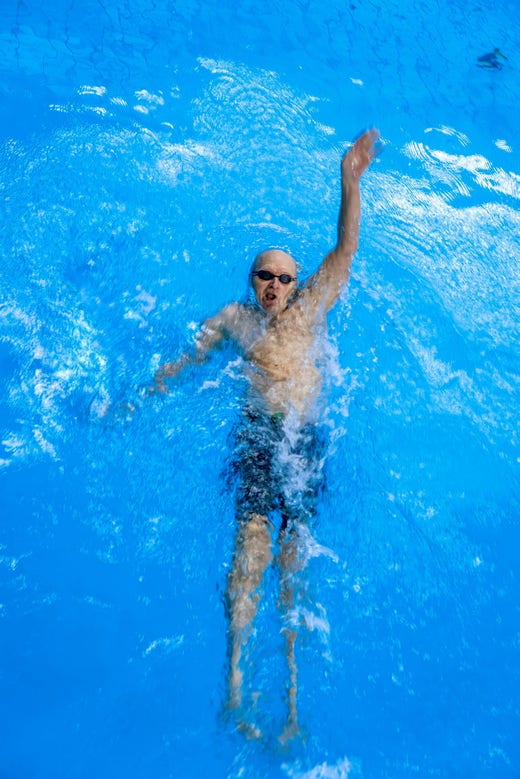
(278, 467)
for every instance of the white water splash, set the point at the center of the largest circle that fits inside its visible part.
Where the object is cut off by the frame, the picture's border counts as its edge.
(340, 770)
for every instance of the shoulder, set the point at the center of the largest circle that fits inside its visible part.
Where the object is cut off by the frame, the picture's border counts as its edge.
(235, 312)
(230, 319)
(225, 314)
(308, 304)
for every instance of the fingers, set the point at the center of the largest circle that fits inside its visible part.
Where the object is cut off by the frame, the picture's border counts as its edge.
(376, 144)
(370, 141)
(159, 386)
(367, 146)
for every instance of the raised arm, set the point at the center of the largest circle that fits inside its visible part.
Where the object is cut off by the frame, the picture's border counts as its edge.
(213, 331)
(326, 284)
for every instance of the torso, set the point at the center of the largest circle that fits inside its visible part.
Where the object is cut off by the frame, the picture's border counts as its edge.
(281, 352)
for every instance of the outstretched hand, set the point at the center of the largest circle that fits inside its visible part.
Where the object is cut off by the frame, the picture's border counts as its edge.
(360, 155)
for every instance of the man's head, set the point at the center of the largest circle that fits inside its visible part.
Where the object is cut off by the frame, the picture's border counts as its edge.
(272, 293)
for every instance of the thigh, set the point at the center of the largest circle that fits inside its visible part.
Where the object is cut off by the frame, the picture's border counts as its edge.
(303, 476)
(253, 464)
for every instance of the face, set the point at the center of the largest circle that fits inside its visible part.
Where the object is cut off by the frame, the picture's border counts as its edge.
(272, 295)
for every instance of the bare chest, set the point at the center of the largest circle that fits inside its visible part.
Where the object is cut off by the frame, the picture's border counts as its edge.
(284, 347)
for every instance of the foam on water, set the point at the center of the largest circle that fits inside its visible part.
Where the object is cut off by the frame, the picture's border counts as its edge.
(343, 769)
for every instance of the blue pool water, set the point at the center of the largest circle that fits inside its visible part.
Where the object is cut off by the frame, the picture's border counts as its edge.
(148, 150)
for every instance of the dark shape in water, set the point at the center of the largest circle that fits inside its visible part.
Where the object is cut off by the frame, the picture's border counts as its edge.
(490, 60)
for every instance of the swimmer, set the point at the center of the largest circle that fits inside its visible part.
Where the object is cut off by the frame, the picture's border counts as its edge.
(279, 451)
(491, 61)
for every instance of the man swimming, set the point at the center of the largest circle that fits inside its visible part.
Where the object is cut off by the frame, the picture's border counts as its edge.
(278, 451)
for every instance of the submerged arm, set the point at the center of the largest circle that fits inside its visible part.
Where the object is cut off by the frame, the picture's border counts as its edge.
(213, 331)
(334, 271)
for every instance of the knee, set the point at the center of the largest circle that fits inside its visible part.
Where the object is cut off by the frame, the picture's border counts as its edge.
(253, 549)
(258, 533)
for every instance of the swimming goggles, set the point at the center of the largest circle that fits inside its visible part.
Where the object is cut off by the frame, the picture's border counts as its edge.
(266, 275)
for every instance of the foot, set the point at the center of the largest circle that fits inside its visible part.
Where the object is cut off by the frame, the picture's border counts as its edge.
(290, 732)
(248, 729)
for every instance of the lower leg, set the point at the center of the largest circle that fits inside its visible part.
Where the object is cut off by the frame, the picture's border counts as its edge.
(292, 728)
(292, 563)
(251, 557)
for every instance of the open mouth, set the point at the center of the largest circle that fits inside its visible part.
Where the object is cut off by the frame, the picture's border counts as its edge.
(269, 300)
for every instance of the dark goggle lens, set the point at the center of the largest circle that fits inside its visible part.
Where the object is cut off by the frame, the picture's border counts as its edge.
(266, 275)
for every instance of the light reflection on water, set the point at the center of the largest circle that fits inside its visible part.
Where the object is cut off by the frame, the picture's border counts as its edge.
(122, 236)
